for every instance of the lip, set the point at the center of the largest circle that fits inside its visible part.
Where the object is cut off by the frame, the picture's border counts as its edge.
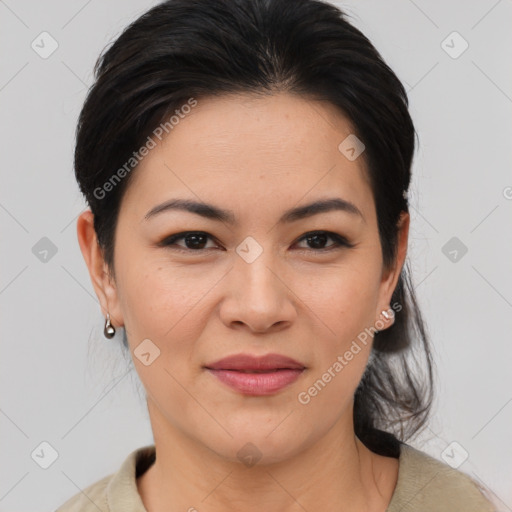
(253, 375)
(250, 362)
(266, 383)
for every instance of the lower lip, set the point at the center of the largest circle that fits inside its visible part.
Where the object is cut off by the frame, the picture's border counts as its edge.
(257, 383)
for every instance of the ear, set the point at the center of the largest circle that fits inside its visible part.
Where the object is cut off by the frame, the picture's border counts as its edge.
(390, 276)
(103, 283)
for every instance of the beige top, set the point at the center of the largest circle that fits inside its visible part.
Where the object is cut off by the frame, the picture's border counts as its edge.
(424, 485)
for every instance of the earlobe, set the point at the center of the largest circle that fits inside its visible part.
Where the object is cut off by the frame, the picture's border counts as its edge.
(390, 280)
(98, 271)
(387, 318)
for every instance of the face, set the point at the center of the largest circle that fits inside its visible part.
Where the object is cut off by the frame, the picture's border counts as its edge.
(259, 281)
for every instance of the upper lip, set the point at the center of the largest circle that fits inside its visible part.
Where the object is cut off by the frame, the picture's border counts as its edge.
(250, 362)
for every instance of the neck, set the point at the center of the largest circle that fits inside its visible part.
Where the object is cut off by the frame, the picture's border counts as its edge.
(335, 472)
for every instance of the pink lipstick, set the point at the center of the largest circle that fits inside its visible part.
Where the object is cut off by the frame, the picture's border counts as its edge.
(253, 375)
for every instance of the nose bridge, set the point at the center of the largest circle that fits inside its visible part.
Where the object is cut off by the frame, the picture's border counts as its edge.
(255, 293)
(253, 261)
(256, 268)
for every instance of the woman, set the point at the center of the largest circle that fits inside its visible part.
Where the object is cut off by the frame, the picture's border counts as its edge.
(246, 164)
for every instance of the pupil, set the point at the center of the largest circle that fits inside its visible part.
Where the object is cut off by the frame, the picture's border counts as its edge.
(322, 237)
(195, 237)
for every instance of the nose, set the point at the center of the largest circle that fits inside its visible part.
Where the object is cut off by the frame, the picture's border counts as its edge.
(259, 295)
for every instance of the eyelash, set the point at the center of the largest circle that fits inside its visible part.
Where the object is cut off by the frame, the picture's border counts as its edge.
(339, 241)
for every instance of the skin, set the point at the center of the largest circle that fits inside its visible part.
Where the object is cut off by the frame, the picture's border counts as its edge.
(257, 156)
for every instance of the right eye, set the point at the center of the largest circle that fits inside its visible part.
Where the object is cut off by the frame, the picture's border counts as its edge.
(194, 241)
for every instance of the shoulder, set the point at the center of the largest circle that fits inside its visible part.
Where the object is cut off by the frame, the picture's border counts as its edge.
(116, 492)
(92, 498)
(427, 484)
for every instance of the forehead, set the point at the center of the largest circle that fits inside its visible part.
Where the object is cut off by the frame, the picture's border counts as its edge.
(248, 149)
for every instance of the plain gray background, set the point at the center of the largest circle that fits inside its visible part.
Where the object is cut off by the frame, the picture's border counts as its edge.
(64, 384)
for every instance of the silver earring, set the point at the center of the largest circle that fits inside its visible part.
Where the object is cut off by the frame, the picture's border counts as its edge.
(109, 330)
(385, 314)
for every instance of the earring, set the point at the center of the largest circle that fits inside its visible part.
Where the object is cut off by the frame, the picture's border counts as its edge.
(386, 315)
(109, 330)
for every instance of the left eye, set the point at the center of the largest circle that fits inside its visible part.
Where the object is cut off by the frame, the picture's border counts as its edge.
(196, 240)
(319, 237)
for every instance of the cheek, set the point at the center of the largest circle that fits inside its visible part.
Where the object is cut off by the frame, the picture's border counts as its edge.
(161, 301)
(342, 310)
(164, 304)
(343, 300)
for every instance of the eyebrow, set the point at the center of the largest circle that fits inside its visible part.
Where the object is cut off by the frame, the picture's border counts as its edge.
(210, 211)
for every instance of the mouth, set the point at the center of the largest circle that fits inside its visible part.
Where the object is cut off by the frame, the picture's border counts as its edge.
(257, 383)
(250, 371)
(252, 375)
(254, 364)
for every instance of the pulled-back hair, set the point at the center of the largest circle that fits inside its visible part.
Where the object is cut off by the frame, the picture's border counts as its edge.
(183, 49)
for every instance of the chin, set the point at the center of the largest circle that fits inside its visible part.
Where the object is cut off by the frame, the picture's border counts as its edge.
(259, 446)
